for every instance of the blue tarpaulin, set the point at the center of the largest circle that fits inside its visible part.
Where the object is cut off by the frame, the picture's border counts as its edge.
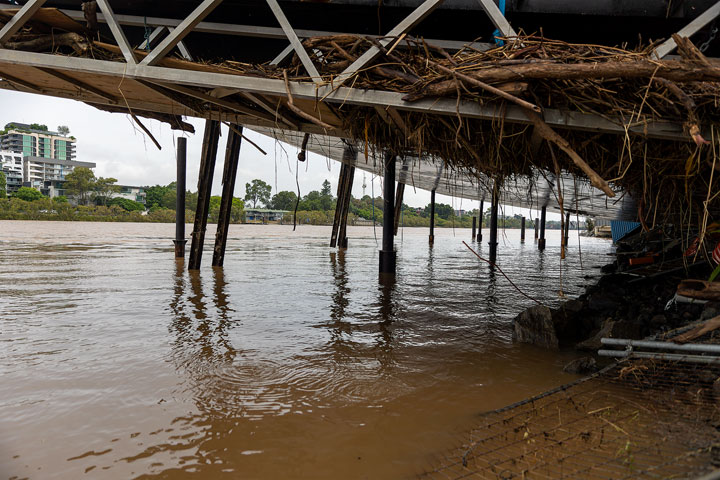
(620, 228)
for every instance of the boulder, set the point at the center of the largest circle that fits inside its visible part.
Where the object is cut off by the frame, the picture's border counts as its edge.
(581, 366)
(535, 325)
(602, 302)
(593, 343)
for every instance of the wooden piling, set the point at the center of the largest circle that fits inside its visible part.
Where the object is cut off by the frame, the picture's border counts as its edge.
(537, 227)
(338, 237)
(180, 198)
(522, 230)
(347, 196)
(480, 221)
(474, 228)
(338, 206)
(432, 218)
(207, 167)
(494, 224)
(567, 228)
(232, 156)
(541, 240)
(387, 254)
(399, 193)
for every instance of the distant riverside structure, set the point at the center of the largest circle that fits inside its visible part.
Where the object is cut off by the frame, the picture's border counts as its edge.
(131, 193)
(11, 164)
(33, 142)
(263, 215)
(44, 157)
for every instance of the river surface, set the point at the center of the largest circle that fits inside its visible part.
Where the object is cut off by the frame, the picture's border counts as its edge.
(291, 362)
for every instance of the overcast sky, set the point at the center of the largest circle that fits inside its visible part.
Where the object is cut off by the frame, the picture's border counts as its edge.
(121, 150)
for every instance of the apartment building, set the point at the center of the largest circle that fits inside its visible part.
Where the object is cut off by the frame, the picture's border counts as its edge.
(131, 193)
(48, 174)
(31, 141)
(11, 164)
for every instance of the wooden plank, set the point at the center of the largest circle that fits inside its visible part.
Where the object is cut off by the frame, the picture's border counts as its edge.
(19, 19)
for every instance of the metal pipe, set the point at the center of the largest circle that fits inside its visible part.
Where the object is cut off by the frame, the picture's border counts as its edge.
(685, 347)
(432, 217)
(180, 198)
(675, 357)
(541, 240)
(387, 254)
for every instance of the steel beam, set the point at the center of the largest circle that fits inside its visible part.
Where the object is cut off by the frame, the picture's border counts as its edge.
(497, 18)
(185, 27)
(282, 55)
(690, 29)
(19, 19)
(117, 31)
(371, 98)
(80, 84)
(294, 41)
(403, 27)
(147, 43)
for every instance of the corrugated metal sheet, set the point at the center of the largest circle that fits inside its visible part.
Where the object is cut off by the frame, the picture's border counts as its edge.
(620, 229)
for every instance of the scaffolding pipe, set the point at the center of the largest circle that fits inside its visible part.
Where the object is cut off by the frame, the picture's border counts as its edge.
(675, 357)
(685, 347)
(180, 198)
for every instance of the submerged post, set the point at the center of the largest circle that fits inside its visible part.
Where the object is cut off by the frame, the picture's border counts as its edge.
(494, 224)
(338, 237)
(180, 198)
(347, 196)
(522, 230)
(537, 226)
(541, 240)
(207, 167)
(232, 156)
(474, 227)
(387, 254)
(432, 217)
(480, 221)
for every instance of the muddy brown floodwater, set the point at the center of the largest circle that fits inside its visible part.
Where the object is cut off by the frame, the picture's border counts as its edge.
(292, 362)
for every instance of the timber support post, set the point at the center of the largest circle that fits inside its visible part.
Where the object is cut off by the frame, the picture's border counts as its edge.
(541, 240)
(522, 230)
(207, 167)
(399, 193)
(338, 237)
(232, 156)
(567, 230)
(494, 224)
(387, 254)
(432, 218)
(480, 221)
(474, 227)
(537, 226)
(180, 198)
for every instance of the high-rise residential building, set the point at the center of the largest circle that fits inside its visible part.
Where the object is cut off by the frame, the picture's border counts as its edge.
(11, 164)
(31, 141)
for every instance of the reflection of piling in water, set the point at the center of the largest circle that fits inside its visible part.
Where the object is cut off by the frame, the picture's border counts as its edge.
(207, 167)
(232, 156)
(180, 198)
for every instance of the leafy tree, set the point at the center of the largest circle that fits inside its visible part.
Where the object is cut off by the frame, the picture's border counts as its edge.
(60, 199)
(104, 189)
(80, 182)
(3, 185)
(442, 210)
(38, 126)
(325, 190)
(28, 194)
(154, 196)
(63, 130)
(127, 204)
(257, 191)
(169, 199)
(284, 200)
